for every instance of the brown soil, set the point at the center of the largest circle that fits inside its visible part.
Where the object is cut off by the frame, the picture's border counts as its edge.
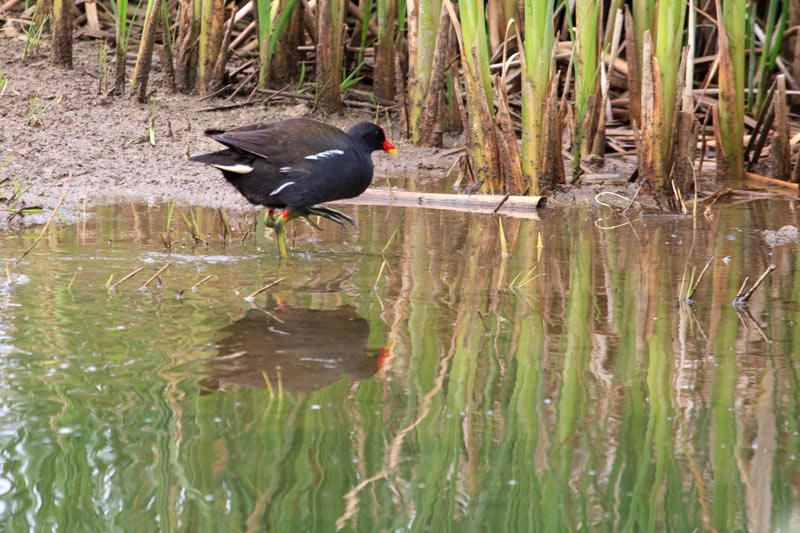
(81, 132)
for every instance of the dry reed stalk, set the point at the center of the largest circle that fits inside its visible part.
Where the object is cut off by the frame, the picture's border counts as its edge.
(650, 134)
(330, 19)
(634, 72)
(8, 5)
(144, 58)
(599, 143)
(211, 34)
(383, 72)
(699, 278)
(771, 181)
(552, 170)
(761, 124)
(126, 278)
(62, 32)
(780, 150)
(520, 206)
(154, 276)
(741, 301)
(507, 141)
(262, 289)
(217, 77)
(194, 287)
(795, 178)
(427, 129)
(762, 136)
(685, 130)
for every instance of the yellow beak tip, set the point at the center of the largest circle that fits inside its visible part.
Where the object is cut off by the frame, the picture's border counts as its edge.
(393, 151)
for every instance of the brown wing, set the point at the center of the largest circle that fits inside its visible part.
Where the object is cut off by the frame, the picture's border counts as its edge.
(284, 143)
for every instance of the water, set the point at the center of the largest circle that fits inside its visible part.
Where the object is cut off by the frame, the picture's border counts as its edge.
(437, 386)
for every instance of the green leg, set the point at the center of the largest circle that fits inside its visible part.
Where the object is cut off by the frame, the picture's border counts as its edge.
(280, 235)
(270, 220)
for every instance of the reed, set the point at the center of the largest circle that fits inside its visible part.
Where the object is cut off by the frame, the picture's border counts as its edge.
(537, 77)
(272, 22)
(384, 78)
(470, 27)
(587, 71)
(428, 48)
(441, 65)
(141, 71)
(330, 17)
(122, 33)
(731, 26)
(62, 32)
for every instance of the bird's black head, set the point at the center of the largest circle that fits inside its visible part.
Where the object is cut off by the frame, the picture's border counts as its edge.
(373, 137)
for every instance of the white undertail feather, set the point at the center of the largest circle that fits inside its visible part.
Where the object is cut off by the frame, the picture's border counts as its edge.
(279, 189)
(238, 169)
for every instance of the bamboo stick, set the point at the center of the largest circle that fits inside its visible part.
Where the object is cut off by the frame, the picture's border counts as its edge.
(771, 181)
(517, 206)
(262, 289)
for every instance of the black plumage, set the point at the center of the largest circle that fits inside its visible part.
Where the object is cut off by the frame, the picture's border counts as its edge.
(296, 164)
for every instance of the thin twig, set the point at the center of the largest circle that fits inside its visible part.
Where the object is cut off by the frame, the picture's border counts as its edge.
(504, 200)
(741, 289)
(154, 276)
(633, 200)
(194, 287)
(700, 277)
(265, 287)
(129, 276)
(742, 302)
(47, 225)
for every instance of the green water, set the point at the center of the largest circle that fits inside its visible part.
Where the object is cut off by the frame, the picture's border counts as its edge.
(439, 386)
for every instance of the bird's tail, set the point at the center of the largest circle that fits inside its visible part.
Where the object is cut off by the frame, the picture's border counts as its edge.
(225, 160)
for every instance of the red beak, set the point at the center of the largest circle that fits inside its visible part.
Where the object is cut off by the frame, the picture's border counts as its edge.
(389, 147)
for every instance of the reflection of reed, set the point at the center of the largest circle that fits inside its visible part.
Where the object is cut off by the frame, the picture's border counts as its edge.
(582, 393)
(299, 349)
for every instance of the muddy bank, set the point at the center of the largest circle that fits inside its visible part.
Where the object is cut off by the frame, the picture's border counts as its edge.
(54, 123)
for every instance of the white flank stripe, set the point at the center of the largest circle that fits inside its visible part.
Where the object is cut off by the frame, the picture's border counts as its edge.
(326, 153)
(239, 169)
(285, 169)
(279, 189)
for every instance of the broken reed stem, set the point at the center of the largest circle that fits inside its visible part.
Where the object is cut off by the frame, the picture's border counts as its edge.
(635, 196)
(129, 276)
(268, 383)
(504, 200)
(744, 299)
(741, 289)
(380, 273)
(265, 287)
(699, 278)
(47, 224)
(194, 287)
(154, 276)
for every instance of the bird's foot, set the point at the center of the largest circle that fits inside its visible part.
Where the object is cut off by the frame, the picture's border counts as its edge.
(269, 221)
(329, 213)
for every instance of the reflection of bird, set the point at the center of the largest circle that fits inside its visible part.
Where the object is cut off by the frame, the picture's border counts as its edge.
(296, 164)
(304, 349)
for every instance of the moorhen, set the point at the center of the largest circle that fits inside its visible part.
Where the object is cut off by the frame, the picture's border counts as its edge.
(297, 164)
